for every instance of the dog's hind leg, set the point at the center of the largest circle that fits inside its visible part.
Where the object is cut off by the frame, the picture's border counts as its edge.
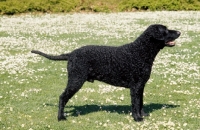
(74, 84)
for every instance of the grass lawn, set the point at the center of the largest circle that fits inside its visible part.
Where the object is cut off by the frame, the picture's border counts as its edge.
(30, 85)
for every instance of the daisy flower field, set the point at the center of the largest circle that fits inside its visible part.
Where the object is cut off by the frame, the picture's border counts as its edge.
(30, 85)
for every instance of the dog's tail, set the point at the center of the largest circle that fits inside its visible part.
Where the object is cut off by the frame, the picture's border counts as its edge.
(51, 57)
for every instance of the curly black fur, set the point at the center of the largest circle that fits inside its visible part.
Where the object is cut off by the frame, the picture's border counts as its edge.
(126, 66)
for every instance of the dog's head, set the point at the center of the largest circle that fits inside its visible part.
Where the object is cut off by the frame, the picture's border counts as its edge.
(163, 35)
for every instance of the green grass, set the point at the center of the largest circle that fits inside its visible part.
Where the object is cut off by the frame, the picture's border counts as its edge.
(31, 85)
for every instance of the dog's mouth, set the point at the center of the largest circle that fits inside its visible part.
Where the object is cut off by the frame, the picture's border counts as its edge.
(170, 43)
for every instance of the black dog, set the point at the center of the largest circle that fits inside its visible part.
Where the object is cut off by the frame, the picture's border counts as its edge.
(126, 66)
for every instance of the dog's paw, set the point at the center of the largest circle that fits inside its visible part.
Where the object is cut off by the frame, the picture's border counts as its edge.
(138, 119)
(61, 118)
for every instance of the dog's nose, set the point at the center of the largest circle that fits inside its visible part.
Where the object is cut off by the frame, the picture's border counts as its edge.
(179, 33)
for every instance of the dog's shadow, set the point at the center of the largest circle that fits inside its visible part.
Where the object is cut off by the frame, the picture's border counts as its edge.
(120, 109)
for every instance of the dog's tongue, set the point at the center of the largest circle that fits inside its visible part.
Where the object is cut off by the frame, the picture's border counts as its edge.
(171, 43)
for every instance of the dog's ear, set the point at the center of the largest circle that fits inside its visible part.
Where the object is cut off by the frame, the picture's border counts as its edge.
(160, 32)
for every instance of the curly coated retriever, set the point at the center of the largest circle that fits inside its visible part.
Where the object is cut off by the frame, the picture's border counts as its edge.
(126, 66)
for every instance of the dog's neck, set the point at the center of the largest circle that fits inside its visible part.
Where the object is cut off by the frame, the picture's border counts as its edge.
(147, 50)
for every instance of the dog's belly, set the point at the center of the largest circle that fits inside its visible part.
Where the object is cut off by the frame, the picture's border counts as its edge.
(119, 83)
(110, 79)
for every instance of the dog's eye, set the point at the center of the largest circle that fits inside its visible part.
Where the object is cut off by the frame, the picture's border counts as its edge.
(165, 32)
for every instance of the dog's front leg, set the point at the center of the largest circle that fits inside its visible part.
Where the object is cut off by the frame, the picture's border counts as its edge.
(136, 91)
(141, 105)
